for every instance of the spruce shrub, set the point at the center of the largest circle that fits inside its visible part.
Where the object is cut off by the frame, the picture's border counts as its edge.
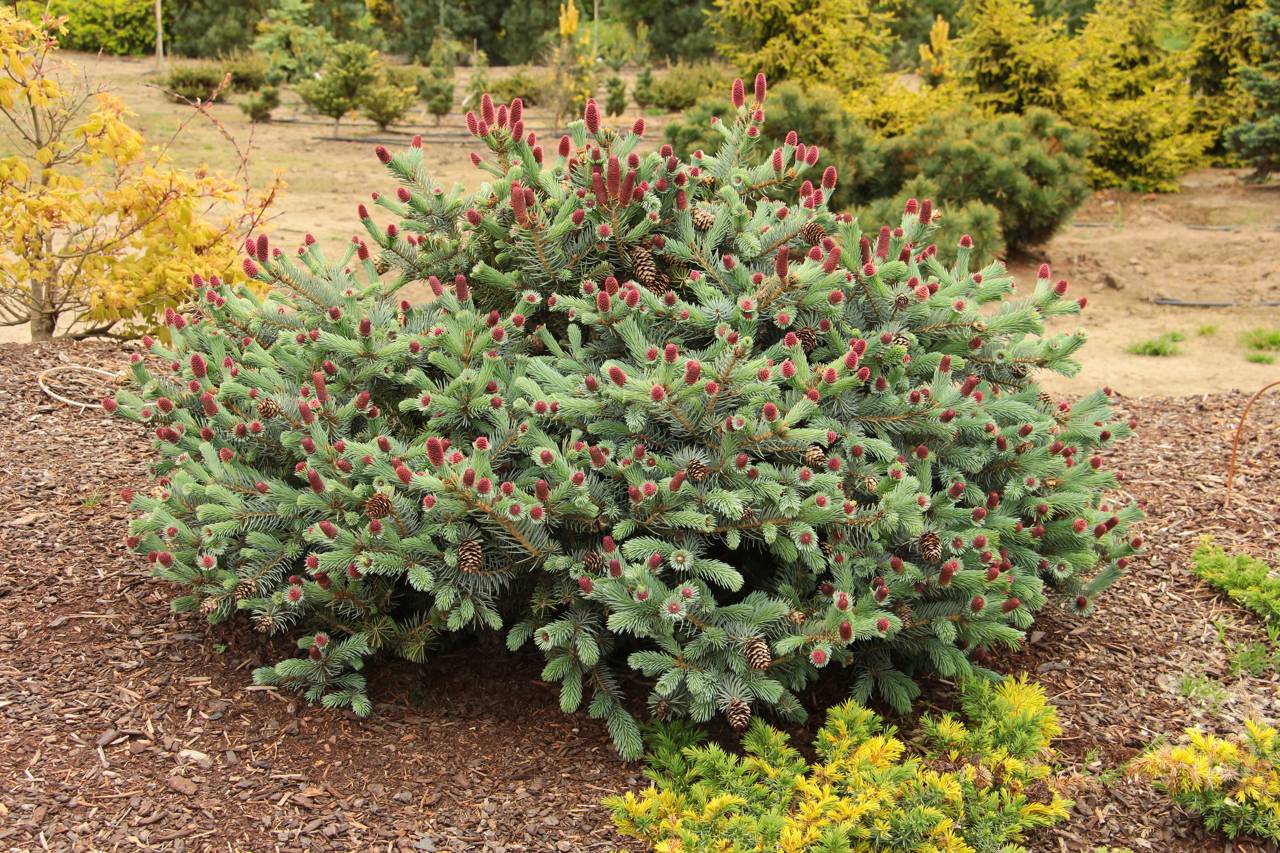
(653, 418)
(952, 220)
(343, 82)
(812, 113)
(959, 786)
(249, 72)
(1248, 581)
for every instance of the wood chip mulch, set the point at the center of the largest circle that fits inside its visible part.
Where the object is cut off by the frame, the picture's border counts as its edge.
(124, 727)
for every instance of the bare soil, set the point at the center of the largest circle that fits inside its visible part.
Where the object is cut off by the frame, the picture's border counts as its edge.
(123, 726)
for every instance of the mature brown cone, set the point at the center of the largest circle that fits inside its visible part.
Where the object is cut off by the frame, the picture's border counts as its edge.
(378, 506)
(797, 617)
(808, 336)
(901, 302)
(592, 561)
(662, 709)
(703, 219)
(1045, 399)
(246, 588)
(930, 547)
(470, 556)
(738, 714)
(815, 457)
(697, 471)
(268, 408)
(813, 233)
(870, 485)
(757, 653)
(209, 605)
(827, 548)
(264, 622)
(901, 340)
(643, 266)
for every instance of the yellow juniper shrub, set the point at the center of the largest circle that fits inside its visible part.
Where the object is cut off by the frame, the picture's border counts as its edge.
(967, 786)
(1232, 783)
(94, 227)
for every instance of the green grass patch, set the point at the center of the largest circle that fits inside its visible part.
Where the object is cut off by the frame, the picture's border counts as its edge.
(1260, 358)
(1203, 691)
(1207, 330)
(1246, 580)
(1161, 347)
(1268, 339)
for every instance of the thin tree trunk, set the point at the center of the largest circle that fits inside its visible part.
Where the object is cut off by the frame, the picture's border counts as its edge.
(43, 320)
(159, 34)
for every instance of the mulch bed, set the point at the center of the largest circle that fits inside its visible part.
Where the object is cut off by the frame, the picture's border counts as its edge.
(126, 727)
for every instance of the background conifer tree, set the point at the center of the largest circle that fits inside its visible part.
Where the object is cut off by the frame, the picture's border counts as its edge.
(1257, 140)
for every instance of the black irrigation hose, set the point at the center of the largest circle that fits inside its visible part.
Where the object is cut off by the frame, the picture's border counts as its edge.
(1191, 303)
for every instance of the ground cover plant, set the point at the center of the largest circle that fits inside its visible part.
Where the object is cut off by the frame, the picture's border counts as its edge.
(1232, 783)
(660, 414)
(978, 783)
(1247, 580)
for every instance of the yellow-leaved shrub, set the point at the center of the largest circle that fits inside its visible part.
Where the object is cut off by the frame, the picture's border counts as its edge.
(97, 233)
(1010, 59)
(966, 785)
(835, 42)
(1130, 85)
(1232, 783)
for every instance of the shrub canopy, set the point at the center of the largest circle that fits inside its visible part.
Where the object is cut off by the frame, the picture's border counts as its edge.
(654, 416)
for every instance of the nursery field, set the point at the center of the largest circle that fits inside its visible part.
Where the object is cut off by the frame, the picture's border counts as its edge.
(1216, 241)
(136, 729)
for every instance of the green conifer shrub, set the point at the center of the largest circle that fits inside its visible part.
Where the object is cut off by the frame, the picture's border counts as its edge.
(291, 44)
(342, 81)
(259, 106)
(385, 103)
(1224, 42)
(193, 81)
(1256, 140)
(1031, 168)
(615, 103)
(682, 85)
(249, 72)
(813, 113)
(642, 92)
(436, 90)
(654, 418)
